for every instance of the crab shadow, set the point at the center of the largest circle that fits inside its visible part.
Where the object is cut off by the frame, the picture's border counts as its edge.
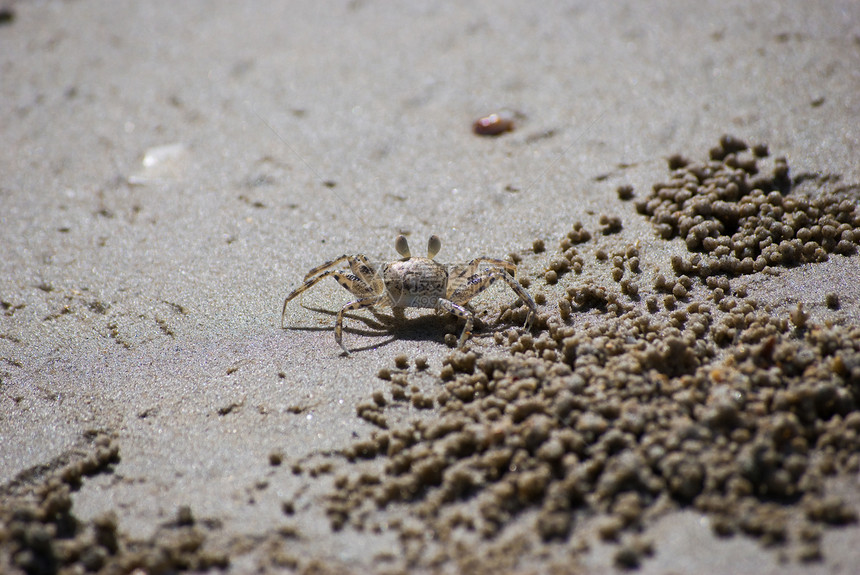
(427, 326)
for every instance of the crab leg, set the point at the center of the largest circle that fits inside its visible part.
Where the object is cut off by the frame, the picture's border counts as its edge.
(473, 265)
(459, 311)
(479, 282)
(350, 281)
(461, 274)
(352, 260)
(357, 304)
(327, 265)
(360, 266)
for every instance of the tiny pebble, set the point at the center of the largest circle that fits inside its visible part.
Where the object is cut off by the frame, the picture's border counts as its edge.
(492, 125)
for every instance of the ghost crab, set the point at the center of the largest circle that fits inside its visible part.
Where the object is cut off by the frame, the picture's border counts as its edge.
(415, 282)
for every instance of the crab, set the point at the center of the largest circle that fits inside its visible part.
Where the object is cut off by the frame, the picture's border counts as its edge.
(415, 282)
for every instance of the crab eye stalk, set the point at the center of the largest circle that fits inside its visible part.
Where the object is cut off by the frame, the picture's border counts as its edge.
(402, 246)
(433, 246)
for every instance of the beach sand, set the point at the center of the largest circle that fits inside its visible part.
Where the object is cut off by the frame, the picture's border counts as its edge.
(170, 171)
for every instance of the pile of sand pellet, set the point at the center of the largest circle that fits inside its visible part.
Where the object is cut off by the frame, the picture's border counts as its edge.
(638, 392)
(696, 396)
(41, 535)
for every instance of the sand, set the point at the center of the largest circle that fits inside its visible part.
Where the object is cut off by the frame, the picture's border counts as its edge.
(152, 224)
